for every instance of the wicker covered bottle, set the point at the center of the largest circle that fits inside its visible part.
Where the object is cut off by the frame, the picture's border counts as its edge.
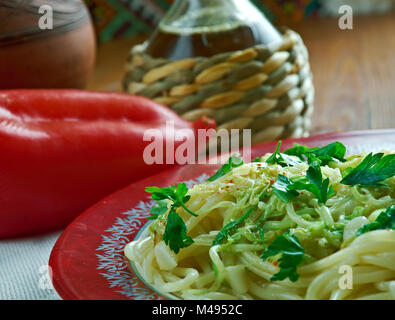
(223, 59)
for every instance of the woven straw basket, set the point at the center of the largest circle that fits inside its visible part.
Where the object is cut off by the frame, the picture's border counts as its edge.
(268, 89)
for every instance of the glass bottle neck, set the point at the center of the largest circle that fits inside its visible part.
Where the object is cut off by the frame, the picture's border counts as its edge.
(200, 16)
(198, 4)
(208, 27)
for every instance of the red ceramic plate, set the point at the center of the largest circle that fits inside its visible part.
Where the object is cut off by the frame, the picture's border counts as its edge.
(87, 260)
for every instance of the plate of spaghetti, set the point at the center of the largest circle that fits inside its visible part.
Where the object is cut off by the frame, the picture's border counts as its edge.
(311, 218)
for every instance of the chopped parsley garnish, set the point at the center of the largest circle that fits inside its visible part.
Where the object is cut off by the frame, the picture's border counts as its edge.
(372, 171)
(233, 162)
(286, 190)
(231, 227)
(386, 220)
(282, 159)
(292, 256)
(335, 150)
(282, 188)
(325, 154)
(317, 186)
(177, 195)
(276, 156)
(158, 210)
(175, 235)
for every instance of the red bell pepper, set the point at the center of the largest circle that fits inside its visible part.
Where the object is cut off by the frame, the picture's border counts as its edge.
(63, 150)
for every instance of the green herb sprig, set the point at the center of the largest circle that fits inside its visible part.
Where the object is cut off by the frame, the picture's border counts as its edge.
(331, 152)
(292, 256)
(276, 156)
(283, 188)
(231, 227)
(372, 171)
(316, 185)
(158, 210)
(177, 195)
(282, 158)
(386, 220)
(286, 190)
(234, 161)
(175, 235)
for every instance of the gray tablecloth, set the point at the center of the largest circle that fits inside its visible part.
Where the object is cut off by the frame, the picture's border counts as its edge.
(24, 273)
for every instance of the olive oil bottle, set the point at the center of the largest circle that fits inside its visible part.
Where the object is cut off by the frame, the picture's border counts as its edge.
(224, 60)
(203, 28)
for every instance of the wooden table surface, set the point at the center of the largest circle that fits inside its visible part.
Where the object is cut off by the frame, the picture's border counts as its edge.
(354, 71)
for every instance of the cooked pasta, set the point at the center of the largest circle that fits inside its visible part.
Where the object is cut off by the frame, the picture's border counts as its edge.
(238, 219)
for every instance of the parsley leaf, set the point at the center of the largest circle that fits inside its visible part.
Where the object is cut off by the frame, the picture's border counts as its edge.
(371, 171)
(282, 159)
(175, 194)
(175, 235)
(386, 220)
(283, 190)
(233, 162)
(320, 188)
(298, 151)
(292, 256)
(276, 156)
(325, 154)
(160, 209)
(286, 190)
(231, 227)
